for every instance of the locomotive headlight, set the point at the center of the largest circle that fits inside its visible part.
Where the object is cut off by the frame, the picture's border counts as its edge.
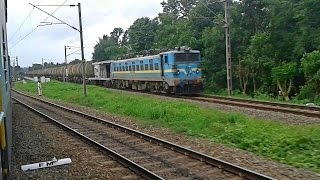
(197, 71)
(178, 72)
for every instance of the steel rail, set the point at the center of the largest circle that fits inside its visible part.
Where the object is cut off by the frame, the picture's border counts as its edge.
(121, 159)
(278, 107)
(296, 106)
(197, 155)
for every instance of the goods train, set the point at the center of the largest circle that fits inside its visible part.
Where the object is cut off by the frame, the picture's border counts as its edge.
(5, 98)
(175, 71)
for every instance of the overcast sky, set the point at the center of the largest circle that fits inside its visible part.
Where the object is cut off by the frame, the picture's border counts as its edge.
(99, 17)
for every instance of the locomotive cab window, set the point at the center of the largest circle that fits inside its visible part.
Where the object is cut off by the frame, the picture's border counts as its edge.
(166, 59)
(186, 57)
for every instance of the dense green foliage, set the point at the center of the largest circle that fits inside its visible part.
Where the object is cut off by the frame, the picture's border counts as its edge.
(294, 145)
(265, 36)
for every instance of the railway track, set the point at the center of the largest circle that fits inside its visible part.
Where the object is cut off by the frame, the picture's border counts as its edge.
(262, 105)
(253, 104)
(149, 157)
(308, 111)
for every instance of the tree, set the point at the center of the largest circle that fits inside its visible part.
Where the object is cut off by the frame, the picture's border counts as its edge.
(116, 34)
(283, 76)
(214, 65)
(107, 49)
(259, 60)
(76, 61)
(176, 34)
(142, 34)
(178, 8)
(310, 64)
(125, 38)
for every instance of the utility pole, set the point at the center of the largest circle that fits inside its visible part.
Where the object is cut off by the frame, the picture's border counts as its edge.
(228, 46)
(65, 60)
(82, 53)
(17, 67)
(13, 73)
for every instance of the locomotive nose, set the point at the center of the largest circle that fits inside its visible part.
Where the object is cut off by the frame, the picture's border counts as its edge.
(189, 70)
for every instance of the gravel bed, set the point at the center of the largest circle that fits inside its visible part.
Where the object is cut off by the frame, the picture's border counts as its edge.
(230, 154)
(36, 140)
(255, 113)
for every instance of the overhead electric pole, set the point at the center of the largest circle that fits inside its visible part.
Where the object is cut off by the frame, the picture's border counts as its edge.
(79, 30)
(82, 53)
(14, 68)
(228, 46)
(65, 60)
(17, 70)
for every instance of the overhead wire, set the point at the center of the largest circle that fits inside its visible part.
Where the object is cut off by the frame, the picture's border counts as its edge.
(208, 8)
(21, 25)
(23, 22)
(38, 25)
(74, 52)
(215, 15)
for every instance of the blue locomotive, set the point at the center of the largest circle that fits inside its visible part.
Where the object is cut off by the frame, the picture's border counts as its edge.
(176, 71)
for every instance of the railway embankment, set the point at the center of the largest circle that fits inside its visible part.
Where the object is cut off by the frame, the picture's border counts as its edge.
(202, 128)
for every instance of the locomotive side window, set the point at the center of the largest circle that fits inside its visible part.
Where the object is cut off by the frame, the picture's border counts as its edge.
(146, 67)
(137, 66)
(130, 68)
(133, 68)
(156, 66)
(126, 68)
(151, 64)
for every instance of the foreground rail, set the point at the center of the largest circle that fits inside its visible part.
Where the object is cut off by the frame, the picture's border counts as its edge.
(126, 162)
(241, 172)
(262, 105)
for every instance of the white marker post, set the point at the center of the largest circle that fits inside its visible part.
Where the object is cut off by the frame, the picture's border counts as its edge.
(41, 165)
(39, 89)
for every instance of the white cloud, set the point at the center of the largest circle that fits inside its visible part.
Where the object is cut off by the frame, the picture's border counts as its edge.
(99, 17)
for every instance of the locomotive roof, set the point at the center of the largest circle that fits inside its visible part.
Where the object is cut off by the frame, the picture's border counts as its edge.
(153, 56)
(103, 62)
(176, 51)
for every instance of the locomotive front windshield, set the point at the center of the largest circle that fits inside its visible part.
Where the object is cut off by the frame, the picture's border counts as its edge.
(186, 57)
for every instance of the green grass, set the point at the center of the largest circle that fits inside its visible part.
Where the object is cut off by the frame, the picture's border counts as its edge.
(294, 145)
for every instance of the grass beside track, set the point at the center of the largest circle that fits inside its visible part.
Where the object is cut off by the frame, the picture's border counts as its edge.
(294, 145)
